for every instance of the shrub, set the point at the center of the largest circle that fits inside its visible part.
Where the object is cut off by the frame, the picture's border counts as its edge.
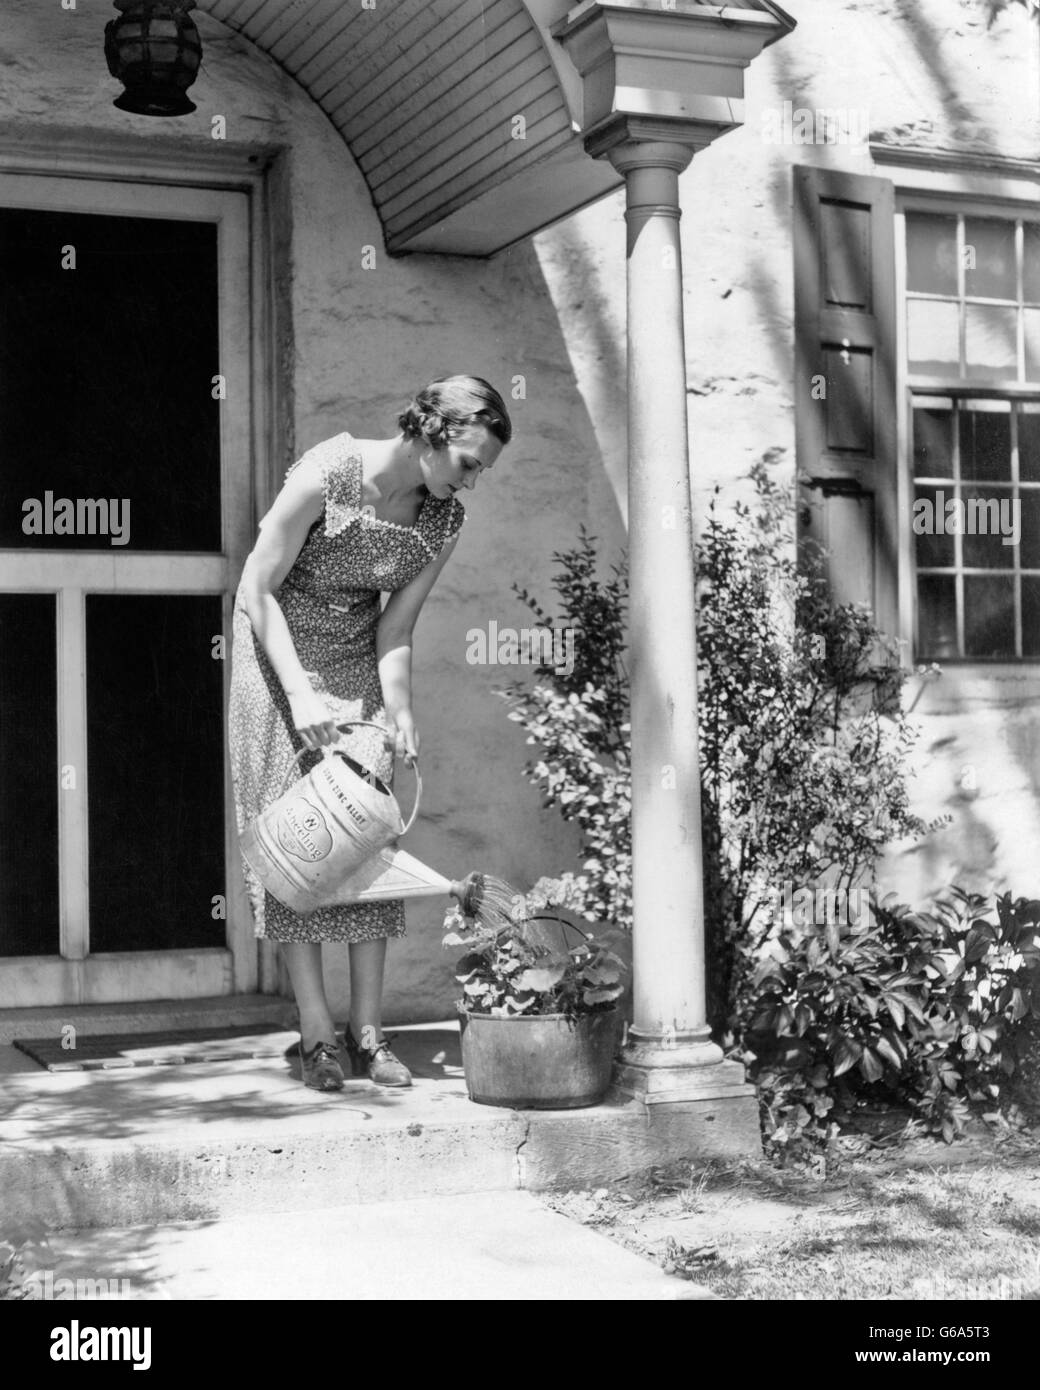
(916, 1008)
(580, 722)
(803, 739)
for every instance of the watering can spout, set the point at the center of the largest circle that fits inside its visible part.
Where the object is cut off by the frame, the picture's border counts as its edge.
(394, 873)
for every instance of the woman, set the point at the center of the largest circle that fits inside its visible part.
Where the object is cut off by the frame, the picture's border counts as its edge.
(313, 648)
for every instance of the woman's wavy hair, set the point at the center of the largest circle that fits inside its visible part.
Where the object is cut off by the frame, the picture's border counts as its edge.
(442, 410)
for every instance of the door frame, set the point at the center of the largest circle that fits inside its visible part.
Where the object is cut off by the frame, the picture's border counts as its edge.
(119, 175)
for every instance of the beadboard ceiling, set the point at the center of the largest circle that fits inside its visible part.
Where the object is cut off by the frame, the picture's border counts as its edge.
(426, 92)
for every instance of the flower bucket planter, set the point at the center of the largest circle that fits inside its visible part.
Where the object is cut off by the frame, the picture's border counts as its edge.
(541, 1062)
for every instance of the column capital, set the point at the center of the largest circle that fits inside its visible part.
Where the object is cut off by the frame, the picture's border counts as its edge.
(677, 140)
(675, 66)
(632, 143)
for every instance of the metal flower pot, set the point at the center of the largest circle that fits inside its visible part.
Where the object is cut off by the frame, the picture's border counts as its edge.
(539, 1062)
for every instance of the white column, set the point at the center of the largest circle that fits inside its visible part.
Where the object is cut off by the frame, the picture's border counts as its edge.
(659, 83)
(669, 1044)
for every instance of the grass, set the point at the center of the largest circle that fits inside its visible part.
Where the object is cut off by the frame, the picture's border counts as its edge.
(908, 1226)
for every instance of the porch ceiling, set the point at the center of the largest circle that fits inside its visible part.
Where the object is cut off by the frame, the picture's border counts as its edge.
(425, 93)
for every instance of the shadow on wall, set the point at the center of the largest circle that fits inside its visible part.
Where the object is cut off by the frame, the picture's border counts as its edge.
(963, 854)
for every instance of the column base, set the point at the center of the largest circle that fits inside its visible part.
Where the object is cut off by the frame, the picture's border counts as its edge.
(659, 1070)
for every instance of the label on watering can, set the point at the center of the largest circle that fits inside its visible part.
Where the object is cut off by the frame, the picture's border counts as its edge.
(349, 807)
(303, 832)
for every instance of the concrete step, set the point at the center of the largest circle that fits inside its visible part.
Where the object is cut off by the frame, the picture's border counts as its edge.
(226, 1139)
(153, 1016)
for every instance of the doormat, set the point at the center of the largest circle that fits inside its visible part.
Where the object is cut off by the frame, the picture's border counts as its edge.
(110, 1051)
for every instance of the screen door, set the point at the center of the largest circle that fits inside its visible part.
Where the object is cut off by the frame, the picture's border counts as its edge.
(126, 503)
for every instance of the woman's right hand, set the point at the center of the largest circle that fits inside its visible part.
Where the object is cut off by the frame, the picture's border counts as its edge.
(312, 719)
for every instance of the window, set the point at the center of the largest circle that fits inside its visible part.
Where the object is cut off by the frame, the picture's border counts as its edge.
(972, 326)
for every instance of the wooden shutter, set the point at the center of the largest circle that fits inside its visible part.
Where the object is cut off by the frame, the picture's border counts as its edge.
(845, 398)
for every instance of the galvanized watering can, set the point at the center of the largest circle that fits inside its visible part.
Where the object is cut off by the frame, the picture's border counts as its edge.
(326, 841)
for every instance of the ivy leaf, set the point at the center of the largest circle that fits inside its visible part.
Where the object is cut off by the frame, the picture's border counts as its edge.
(887, 1050)
(895, 1009)
(846, 1055)
(871, 1066)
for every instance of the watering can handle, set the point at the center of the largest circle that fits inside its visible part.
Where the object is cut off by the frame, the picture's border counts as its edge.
(327, 750)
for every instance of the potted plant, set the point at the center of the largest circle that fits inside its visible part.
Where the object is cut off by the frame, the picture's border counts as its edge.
(539, 1011)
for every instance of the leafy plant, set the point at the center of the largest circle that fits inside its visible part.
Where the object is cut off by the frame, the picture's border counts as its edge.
(916, 1008)
(527, 967)
(580, 722)
(595, 612)
(804, 742)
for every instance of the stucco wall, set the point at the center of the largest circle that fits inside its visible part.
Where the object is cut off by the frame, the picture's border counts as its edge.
(363, 339)
(930, 74)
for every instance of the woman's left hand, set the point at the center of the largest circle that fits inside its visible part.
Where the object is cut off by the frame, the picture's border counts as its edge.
(404, 739)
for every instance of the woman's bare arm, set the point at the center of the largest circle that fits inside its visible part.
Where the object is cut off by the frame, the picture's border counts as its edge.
(282, 534)
(394, 650)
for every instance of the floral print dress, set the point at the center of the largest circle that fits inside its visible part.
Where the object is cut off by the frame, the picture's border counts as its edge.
(331, 599)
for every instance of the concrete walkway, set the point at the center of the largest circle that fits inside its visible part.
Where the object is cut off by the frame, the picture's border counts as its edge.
(486, 1247)
(229, 1179)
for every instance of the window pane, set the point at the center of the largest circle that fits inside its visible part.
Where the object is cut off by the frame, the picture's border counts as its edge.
(990, 342)
(931, 253)
(937, 616)
(934, 548)
(933, 442)
(988, 519)
(1029, 512)
(1031, 263)
(985, 437)
(156, 749)
(989, 258)
(932, 337)
(1028, 444)
(1030, 616)
(989, 616)
(1031, 333)
(106, 369)
(29, 780)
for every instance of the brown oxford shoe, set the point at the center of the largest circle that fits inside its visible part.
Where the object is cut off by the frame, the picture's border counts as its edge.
(377, 1063)
(321, 1067)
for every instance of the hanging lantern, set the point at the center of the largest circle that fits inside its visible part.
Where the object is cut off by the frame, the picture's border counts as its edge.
(155, 50)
